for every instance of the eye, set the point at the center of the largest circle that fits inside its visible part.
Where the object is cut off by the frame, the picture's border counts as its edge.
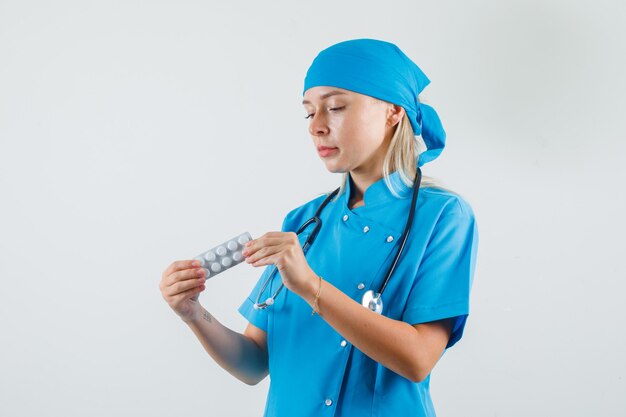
(308, 116)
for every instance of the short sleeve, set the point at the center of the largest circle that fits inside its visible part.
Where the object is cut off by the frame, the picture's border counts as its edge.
(444, 278)
(295, 217)
(259, 317)
(254, 316)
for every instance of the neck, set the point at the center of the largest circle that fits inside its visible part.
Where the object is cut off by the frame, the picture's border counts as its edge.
(367, 174)
(360, 183)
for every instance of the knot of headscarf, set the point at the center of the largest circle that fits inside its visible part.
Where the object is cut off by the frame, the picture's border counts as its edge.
(380, 69)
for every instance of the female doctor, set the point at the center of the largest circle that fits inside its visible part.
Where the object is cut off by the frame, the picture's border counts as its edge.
(343, 336)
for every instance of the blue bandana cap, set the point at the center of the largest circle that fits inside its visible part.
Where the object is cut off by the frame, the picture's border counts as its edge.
(381, 70)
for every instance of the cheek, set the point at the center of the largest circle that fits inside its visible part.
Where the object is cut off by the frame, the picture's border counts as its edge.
(371, 126)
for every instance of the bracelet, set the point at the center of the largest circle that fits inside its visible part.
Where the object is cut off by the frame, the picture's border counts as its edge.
(316, 307)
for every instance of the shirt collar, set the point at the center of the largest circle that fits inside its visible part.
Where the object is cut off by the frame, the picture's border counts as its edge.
(378, 192)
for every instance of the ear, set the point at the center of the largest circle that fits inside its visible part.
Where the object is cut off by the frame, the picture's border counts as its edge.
(395, 113)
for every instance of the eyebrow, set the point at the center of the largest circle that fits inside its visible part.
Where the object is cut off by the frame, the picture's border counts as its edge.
(325, 96)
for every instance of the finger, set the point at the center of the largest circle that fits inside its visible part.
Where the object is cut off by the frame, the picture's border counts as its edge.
(274, 259)
(254, 245)
(268, 256)
(178, 298)
(274, 234)
(182, 286)
(179, 266)
(261, 253)
(185, 275)
(269, 236)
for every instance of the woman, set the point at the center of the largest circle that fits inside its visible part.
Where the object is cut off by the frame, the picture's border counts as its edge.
(326, 353)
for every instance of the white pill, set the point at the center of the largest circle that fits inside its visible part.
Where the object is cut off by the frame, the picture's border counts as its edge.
(207, 272)
(223, 256)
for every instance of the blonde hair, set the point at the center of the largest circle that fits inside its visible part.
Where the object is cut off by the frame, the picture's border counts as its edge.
(403, 152)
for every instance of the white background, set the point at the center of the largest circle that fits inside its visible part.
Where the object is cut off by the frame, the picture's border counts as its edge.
(135, 133)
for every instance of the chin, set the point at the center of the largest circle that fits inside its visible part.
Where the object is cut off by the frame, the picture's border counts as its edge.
(335, 170)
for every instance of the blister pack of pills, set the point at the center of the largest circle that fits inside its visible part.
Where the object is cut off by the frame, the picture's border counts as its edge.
(224, 256)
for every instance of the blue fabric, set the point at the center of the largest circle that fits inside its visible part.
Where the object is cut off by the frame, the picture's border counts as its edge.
(432, 281)
(380, 69)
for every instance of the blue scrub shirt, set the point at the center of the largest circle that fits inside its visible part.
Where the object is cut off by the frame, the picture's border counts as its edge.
(313, 370)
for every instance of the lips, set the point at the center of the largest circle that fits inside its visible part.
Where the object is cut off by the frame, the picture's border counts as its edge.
(325, 150)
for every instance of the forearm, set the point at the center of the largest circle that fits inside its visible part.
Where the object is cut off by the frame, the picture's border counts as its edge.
(235, 352)
(395, 344)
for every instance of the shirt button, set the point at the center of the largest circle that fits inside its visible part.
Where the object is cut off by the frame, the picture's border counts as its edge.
(345, 217)
(360, 286)
(343, 343)
(366, 229)
(328, 402)
(390, 239)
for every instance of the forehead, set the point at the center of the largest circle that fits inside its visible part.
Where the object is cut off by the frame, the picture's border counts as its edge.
(320, 93)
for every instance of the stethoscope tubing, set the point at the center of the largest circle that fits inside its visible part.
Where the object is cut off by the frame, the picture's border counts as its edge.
(405, 233)
(318, 222)
(308, 242)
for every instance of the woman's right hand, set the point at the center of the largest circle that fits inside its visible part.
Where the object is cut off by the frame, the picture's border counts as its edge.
(181, 284)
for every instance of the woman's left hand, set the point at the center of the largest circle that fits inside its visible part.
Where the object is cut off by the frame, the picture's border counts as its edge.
(283, 250)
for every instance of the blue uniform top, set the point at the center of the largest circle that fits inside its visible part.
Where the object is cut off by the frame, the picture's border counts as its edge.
(313, 370)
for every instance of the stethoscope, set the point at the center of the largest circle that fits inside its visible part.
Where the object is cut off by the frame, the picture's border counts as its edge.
(372, 300)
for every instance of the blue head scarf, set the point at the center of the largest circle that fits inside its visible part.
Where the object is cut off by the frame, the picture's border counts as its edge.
(380, 69)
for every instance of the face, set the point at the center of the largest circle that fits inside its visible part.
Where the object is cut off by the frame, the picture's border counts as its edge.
(350, 131)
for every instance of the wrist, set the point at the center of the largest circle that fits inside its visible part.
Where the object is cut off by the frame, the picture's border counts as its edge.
(315, 306)
(310, 288)
(311, 291)
(195, 317)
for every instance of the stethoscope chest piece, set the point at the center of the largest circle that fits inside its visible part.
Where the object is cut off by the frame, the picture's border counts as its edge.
(373, 301)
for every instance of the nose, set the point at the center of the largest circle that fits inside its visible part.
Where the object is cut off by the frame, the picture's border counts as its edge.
(318, 125)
